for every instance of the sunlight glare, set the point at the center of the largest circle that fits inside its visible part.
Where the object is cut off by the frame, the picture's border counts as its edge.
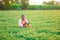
(39, 2)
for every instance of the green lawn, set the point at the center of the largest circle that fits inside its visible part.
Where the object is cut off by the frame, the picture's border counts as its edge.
(45, 25)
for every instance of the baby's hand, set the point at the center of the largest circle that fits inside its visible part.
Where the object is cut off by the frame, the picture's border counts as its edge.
(23, 22)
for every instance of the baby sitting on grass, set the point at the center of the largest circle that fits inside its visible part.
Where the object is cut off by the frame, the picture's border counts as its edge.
(23, 22)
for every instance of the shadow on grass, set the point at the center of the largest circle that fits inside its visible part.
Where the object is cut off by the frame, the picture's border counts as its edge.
(2, 20)
(30, 38)
(2, 37)
(58, 33)
(19, 36)
(48, 32)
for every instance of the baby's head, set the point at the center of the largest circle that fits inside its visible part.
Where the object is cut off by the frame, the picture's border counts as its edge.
(23, 17)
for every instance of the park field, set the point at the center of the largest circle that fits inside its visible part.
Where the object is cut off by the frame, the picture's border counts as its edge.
(45, 25)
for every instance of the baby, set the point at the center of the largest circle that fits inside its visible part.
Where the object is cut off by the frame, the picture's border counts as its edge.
(23, 22)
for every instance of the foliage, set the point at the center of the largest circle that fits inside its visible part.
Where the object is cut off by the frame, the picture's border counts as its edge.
(35, 7)
(1, 6)
(16, 7)
(6, 4)
(43, 7)
(52, 2)
(24, 4)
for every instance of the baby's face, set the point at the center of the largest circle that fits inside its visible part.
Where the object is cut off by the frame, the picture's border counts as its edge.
(23, 17)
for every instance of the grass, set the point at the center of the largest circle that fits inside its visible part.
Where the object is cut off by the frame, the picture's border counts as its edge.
(45, 25)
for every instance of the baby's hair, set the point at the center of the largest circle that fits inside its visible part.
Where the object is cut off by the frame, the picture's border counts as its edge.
(22, 15)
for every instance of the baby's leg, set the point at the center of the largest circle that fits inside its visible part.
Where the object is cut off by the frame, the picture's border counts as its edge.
(26, 25)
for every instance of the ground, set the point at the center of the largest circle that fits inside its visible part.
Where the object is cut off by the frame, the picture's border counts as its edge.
(45, 25)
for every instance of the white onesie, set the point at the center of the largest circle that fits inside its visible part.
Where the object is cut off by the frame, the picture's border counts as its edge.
(20, 24)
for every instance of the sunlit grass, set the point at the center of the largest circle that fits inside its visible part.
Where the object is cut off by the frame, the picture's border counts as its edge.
(45, 25)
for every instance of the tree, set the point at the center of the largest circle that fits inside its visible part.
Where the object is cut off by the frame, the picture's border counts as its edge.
(11, 1)
(1, 6)
(24, 4)
(53, 2)
(57, 3)
(6, 4)
(44, 3)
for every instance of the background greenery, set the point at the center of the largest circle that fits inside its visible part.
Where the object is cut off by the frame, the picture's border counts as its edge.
(45, 25)
(35, 7)
(43, 7)
(24, 5)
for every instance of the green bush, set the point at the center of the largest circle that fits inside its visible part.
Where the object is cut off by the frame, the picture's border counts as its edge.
(32, 7)
(43, 7)
(16, 7)
(35, 7)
